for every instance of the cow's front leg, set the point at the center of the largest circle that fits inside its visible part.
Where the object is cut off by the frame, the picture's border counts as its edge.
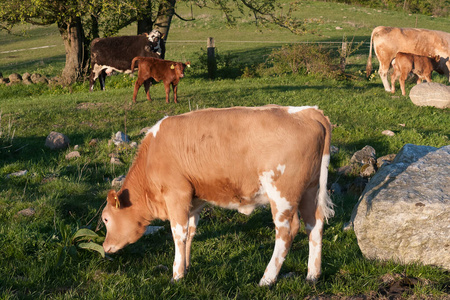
(383, 71)
(179, 233)
(167, 89)
(174, 86)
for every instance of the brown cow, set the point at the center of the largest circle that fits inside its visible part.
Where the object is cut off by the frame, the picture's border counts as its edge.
(388, 41)
(237, 158)
(169, 72)
(405, 63)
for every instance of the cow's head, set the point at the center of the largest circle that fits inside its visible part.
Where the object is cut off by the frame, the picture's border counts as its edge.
(124, 222)
(179, 67)
(154, 36)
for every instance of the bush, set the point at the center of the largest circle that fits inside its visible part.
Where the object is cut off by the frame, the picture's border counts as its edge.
(301, 59)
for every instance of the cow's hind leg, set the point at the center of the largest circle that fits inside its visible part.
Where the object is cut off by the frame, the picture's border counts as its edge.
(194, 216)
(383, 71)
(285, 218)
(101, 79)
(147, 85)
(313, 218)
(137, 85)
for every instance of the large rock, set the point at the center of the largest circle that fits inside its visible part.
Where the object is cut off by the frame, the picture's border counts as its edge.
(404, 211)
(431, 94)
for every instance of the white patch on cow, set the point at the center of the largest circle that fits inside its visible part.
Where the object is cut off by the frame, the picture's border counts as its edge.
(296, 109)
(154, 34)
(270, 275)
(155, 128)
(315, 250)
(324, 201)
(282, 205)
(281, 169)
(179, 235)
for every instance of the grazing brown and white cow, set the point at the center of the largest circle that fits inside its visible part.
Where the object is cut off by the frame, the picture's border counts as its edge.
(388, 41)
(116, 53)
(405, 63)
(237, 158)
(170, 72)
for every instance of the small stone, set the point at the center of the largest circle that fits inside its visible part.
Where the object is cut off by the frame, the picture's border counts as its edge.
(367, 170)
(72, 155)
(120, 137)
(334, 150)
(133, 145)
(76, 147)
(17, 174)
(15, 78)
(144, 130)
(118, 181)
(115, 161)
(388, 133)
(93, 142)
(28, 212)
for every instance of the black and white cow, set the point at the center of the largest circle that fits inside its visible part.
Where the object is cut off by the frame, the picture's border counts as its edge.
(116, 53)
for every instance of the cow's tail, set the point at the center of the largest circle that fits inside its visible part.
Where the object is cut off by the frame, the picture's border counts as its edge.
(369, 60)
(133, 62)
(324, 202)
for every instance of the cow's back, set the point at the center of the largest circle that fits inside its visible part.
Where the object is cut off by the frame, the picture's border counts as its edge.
(120, 51)
(416, 41)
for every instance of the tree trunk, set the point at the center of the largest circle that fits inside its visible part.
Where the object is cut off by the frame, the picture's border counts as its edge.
(146, 24)
(76, 55)
(166, 11)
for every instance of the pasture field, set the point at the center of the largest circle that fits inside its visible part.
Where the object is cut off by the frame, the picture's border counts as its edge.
(39, 258)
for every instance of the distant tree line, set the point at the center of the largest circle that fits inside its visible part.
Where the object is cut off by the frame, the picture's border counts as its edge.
(438, 8)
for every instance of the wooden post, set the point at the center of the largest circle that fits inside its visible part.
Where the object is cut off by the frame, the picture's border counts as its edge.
(344, 56)
(212, 66)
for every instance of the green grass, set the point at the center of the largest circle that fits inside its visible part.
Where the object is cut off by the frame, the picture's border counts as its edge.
(230, 250)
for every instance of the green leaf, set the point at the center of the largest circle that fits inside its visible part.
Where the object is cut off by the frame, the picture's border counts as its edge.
(85, 234)
(92, 246)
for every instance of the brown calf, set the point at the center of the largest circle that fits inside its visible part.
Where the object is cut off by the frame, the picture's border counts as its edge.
(169, 72)
(237, 158)
(406, 63)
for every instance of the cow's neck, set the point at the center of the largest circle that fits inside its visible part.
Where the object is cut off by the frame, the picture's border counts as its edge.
(137, 184)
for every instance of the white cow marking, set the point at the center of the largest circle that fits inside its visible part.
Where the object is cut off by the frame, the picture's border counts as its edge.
(315, 250)
(274, 194)
(179, 235)
(295, 109)
(154, 130)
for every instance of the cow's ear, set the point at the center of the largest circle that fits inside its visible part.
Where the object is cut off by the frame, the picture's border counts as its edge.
(113, 199)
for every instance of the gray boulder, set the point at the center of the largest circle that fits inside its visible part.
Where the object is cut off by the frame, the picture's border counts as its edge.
(431, 94)
(404, 212)
(56, 141)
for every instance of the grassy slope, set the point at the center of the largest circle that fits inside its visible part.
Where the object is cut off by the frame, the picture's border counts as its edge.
(230, 251)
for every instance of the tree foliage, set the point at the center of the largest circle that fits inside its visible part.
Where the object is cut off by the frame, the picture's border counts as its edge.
(439, 8)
